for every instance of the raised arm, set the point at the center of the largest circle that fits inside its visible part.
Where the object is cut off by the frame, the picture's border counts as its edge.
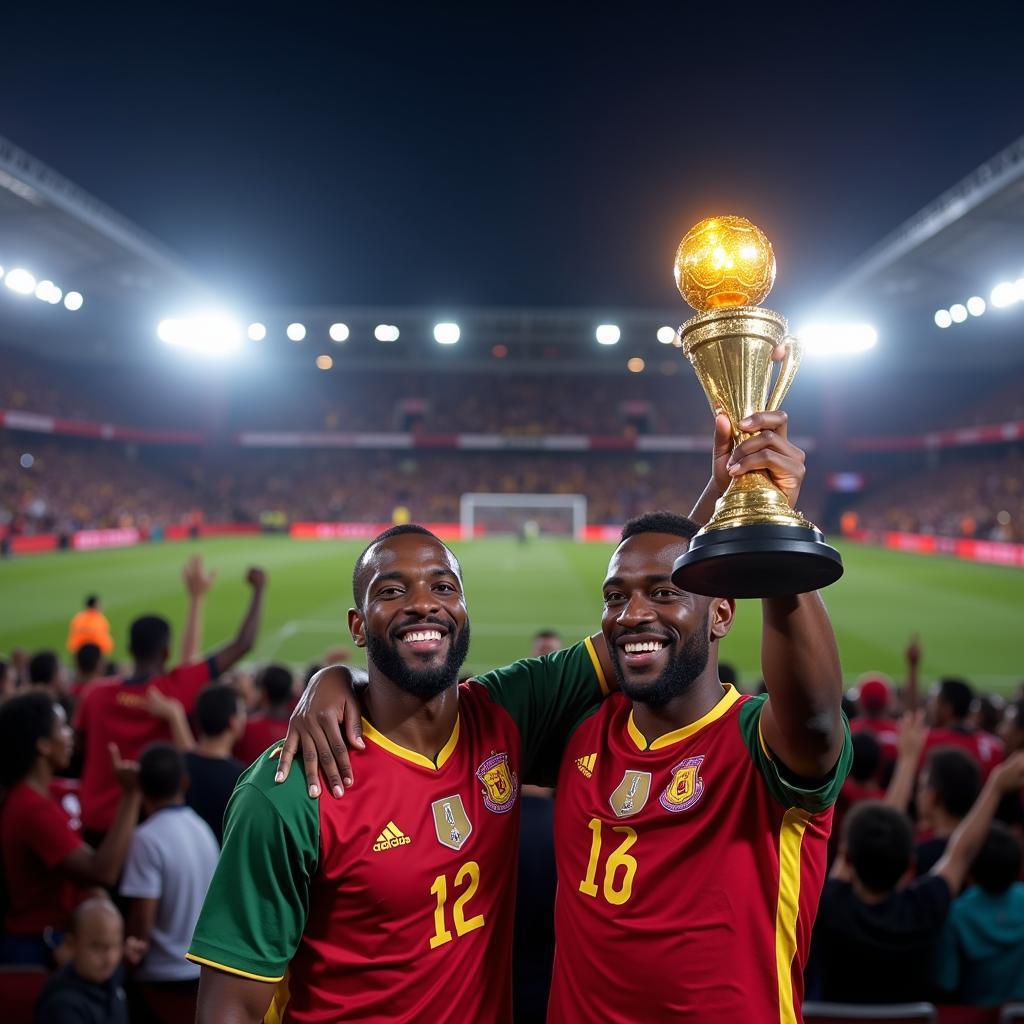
(102, 865)
(197, 586)
(912, 693)
(913, 733)
(965, 842)
(801, 721)
(233, 652)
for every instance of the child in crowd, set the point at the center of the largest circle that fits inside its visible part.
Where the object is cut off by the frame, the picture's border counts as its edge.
(89, 988)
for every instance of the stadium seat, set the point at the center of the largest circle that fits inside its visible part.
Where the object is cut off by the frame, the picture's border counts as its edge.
(969, 1015)
(897, 1013)
(1012, 1012)
(19, 989)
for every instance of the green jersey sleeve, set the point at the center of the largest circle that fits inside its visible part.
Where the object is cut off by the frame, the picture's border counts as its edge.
(256, 907)
(547, 698)
(790, 791)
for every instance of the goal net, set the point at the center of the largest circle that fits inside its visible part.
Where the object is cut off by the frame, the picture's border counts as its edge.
(523, 515)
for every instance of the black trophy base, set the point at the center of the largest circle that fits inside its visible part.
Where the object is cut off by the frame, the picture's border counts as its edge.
(757, 561)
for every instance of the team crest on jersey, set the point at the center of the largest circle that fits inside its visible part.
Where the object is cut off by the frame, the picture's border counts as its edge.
(451, 822)
(500, 783)
(686, 786)
(630, 795)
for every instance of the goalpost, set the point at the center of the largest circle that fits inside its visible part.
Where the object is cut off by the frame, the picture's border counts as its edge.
(523, 515)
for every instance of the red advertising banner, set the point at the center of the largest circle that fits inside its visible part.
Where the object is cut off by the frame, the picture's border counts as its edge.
(991, 552)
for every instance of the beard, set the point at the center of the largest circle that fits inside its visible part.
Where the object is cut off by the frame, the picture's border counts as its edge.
(676, 678)
(423, 683)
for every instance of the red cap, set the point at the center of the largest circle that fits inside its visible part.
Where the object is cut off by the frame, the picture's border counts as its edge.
(874, 693)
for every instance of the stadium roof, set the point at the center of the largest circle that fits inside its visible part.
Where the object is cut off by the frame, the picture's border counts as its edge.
(59, 232)
(960, 245)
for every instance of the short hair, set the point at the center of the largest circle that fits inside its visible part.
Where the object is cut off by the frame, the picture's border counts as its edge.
(161, 772)
(879, 843)
(867, 754)
(394, 531)
(660, 522)
(43, 667)
(958, 695)
(87, 657)
(24, 721)
(91, 601)
(547, 634)
(997, 865)
(216, 705)
(955, 778)
(276, 682)
(86, 907)
(148, 636)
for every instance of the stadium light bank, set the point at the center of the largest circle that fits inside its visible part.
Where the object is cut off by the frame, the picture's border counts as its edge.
(23, 282)
(837, 339)
(207, 334)
(1002, 296)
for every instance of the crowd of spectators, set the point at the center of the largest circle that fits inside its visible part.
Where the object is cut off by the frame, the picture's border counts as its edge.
(924, 893)
(954, 497)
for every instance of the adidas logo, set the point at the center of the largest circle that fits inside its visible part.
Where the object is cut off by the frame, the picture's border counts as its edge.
(586, 764)
(390, 837)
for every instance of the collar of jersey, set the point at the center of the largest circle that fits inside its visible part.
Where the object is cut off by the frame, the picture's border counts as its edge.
(729, 697)
(370, 733)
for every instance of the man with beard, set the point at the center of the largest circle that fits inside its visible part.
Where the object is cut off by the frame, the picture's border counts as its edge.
(691, 822)
(395, 905)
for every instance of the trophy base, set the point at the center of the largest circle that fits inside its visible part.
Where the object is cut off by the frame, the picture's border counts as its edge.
(762, 560)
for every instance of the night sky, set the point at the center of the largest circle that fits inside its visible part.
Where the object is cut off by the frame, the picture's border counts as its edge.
(503, 155)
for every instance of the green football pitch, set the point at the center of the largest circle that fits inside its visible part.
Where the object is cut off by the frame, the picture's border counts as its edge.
(970, 617)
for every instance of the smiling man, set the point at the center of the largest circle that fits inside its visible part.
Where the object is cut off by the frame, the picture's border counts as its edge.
(692, 854)
(395, 905)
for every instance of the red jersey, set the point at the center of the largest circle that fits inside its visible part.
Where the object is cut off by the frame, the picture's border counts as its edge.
(689, 872)
(260, 732)
(395, 903)
(114, 711)
(36, 834)
(985, 748)
(885, 730)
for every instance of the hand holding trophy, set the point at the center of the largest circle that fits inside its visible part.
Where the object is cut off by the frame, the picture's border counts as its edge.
(756, 544)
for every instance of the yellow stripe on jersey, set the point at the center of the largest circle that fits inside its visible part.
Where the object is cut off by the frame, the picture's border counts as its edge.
(729, 697)
(414, 756)
(596, 662)
(791, 837)
(231, 970)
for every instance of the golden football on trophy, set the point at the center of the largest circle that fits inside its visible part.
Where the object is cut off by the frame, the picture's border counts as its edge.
(724, 261)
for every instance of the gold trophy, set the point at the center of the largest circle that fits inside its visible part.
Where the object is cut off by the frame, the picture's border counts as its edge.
(755, 544)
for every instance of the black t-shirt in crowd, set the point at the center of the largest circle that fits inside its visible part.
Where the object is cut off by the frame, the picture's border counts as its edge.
(881, 952)
(928, 853)
(211, 783)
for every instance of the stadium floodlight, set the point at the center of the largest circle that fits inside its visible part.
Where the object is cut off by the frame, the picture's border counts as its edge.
(635, 365)
(976, 305)
(447, 334)
(338, 332)
(73, 301)
(20, 281)
(607, 334)
(943, 319)
(958, 311)
(324, 362)
(296, 332)
(207, 334)
(257, 332)
(27, 460)
(666, 335)
(1, 271)
(44, 289)
(838, 339)
(1004, 294)
(385, 332)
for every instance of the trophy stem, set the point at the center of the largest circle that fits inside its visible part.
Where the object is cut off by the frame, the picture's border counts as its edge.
(753, 497)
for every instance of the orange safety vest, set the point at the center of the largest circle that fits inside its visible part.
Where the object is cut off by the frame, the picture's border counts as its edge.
(90, 626)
